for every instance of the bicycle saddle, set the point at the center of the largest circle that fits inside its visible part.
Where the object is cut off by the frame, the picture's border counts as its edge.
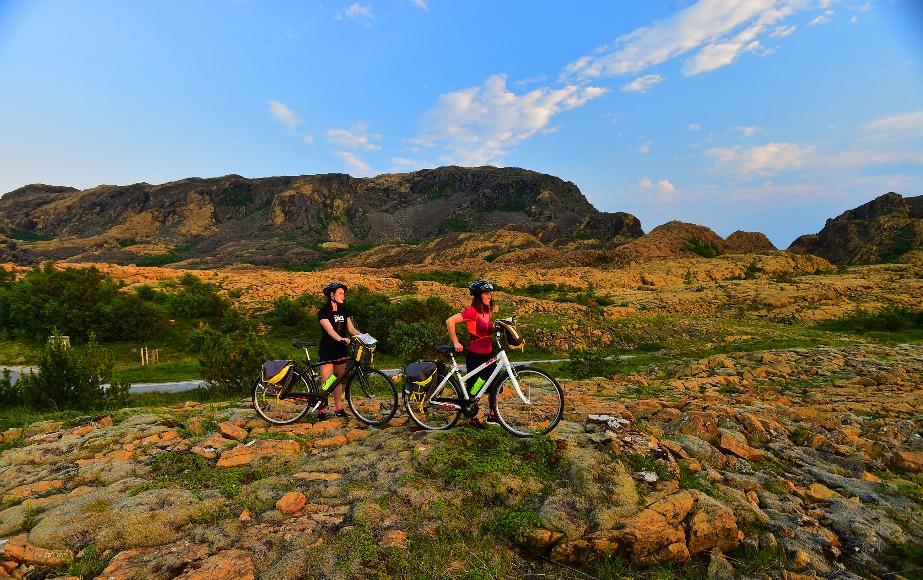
(445, 348)
(302, 344)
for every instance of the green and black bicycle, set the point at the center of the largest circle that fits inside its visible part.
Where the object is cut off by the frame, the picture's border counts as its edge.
(527, 401)
(284, 392)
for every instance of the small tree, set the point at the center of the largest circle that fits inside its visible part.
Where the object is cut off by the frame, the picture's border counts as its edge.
(69, 378)
(230, 362)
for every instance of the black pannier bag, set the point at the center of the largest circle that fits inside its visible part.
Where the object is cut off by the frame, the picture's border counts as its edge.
(278, 373)
(420, 376)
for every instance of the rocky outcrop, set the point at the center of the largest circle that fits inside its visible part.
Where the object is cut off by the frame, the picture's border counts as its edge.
(887, 229)
(673, 240)
(750, 242)
(734, 461)
(295, 220)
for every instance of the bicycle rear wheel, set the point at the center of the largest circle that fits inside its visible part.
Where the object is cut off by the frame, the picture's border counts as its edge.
(431, 415)
(539, 413)
(277, 409)
(372, 397)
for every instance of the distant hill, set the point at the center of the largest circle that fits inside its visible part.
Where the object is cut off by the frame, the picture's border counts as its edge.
(750, 242)
(298, 221)
(887, 229)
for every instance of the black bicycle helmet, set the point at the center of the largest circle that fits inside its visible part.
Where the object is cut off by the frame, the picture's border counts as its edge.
(332, 287)
(480, 286)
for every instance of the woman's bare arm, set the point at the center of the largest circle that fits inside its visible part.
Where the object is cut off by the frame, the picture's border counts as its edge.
(328, 328)
(450, 324)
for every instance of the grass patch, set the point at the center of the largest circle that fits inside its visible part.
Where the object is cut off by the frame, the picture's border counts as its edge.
(456, 278)
(456, 224)
(614, 566)
(90, 564)
(461, 457)
(642, 462)
(905, 559)
(159, 259)
(892, 323)
(161, 372)
(27, 235)
(190, 471)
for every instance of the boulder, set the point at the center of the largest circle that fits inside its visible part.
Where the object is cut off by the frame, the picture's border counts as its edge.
(247, 454)
(292, 502)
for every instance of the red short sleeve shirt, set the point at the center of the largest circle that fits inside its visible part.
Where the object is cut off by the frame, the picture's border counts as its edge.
(479, 330)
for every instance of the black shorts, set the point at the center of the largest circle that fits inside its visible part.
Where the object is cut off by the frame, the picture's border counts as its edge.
(329, 351)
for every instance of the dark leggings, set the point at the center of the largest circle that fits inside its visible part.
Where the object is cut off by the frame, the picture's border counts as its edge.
(474, 360)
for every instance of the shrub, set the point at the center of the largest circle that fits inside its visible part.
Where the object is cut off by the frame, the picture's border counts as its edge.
(9, 393)
(701, 247)
(588, 363)
(195, 299)
(69, 378)
(891, 319)
(78, 302)
(230, 362)
(416, 339)
(289, 312)
(7, 277)
(201, 339)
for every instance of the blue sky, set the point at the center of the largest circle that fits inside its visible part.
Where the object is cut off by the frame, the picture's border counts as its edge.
(768, 115)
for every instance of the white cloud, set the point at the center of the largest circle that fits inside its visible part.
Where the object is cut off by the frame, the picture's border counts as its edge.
(356, 166)
(896, 124)
(748, 131)
(865, 7)
(719, 54)
(355, 138)
(693, 126)
(712, 25)
(642, 84)
(358, 11)
(854, 20)
(644, 149)
(283, 114)
(824, 18)
(783, 31)
(479, 124)
(405, 163)
(763, 160)
(308, 138)
(421, 4)
(664, 187)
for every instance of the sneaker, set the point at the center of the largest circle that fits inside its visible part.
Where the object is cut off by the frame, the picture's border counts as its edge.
(341, 413)
(491, 419)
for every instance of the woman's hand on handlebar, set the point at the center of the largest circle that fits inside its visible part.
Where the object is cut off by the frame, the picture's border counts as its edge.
(345, 340)
(458, 346)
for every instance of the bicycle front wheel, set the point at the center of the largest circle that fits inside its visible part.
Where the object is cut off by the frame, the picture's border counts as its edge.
(541, 410)
(372, 397)
(430, 414)
(279, 409)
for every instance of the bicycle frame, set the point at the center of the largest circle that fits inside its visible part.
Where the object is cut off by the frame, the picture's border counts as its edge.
(308, 374)
(503, 364)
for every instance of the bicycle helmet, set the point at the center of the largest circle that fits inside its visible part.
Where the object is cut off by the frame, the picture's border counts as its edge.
(480, 286)
(332, 287)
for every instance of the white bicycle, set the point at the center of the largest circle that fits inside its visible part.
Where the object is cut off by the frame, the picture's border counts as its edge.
(527, 401)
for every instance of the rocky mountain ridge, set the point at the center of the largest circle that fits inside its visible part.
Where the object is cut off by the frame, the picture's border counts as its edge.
(295, 220)
(887, 229)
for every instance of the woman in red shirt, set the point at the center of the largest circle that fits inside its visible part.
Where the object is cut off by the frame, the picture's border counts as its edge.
(478, 317)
